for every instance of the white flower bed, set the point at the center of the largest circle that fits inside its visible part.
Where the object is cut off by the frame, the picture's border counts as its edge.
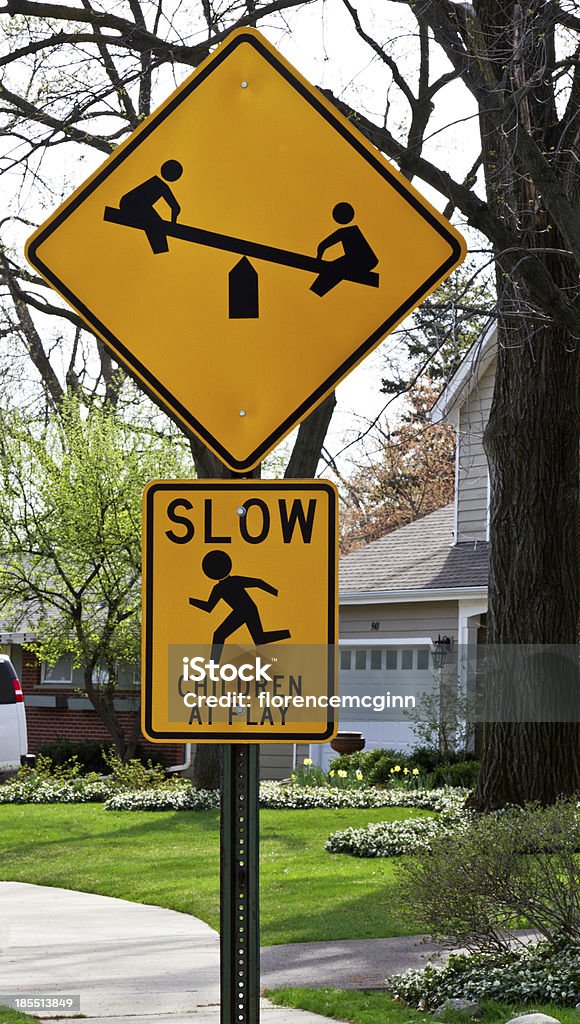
(181, 799)
(180, 796)
(276, 796)
(536, 974)
(73, 791)
(387, 838)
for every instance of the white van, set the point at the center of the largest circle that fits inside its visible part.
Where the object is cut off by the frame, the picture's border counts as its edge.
(13, 736)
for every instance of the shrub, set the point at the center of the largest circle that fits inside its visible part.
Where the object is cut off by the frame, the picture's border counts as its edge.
(365, 760)
(536, 974)
(132, 775)
(433, 770)
(427, 759)
(519, 864)
(65, 783)
(88, 754)
(460, 773)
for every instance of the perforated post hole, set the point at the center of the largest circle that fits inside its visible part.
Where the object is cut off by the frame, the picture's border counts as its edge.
(239, 886)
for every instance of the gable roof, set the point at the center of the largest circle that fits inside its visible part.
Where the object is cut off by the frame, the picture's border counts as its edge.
(419, 557)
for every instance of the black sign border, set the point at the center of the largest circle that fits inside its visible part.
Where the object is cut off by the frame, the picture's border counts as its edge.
(249, 488)
(143, 377)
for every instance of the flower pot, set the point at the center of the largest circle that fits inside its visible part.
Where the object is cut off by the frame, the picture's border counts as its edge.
(348, 742)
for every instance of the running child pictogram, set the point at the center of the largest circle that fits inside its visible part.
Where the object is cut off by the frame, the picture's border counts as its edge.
(233, 590)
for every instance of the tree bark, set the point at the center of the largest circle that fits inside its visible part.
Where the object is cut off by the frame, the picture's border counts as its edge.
(206, 766)
(103, 705)
(532, 442)
(308, 446)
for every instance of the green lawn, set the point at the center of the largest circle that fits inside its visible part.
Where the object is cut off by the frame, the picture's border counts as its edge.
(172, 860)
(14, 1017)
(379, 1008)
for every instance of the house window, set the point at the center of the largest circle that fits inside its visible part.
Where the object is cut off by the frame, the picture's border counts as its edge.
(59, 673)
(391, 660)
(406, 659)
(409, 655)
(63, 674)
(360, 660)
(422, 660)
(128, 675)
(345, 660)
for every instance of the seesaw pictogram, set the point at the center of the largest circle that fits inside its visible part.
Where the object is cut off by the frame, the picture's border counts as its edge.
(137, 210)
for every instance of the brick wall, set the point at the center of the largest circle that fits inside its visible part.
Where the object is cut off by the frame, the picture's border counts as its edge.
(30, 671)
(48, 724)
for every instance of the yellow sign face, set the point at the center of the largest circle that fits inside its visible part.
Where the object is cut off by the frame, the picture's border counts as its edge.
(244, 249)
(239, 611)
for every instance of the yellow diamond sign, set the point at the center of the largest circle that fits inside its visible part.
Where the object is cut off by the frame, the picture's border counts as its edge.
(244, 249)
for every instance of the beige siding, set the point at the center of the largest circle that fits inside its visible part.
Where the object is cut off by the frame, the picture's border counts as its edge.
(423, 619)
(276, 760)
(472, 485)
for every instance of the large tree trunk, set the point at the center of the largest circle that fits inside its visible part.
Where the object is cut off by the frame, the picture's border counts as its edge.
(206, 766)
(532, 442)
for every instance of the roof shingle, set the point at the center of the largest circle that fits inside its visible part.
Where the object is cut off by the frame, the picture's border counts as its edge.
(419, 556)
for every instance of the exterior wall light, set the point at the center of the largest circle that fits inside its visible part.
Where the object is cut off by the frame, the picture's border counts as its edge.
(440, 651)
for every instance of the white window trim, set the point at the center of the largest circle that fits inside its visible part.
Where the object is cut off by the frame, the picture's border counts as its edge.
(55, 682)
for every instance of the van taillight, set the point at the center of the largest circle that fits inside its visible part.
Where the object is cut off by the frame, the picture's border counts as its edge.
(18, 691)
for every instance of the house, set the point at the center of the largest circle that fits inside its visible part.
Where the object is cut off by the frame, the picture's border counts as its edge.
(422, 583)
(398, 596)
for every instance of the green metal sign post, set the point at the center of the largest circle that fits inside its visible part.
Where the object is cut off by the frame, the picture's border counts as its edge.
(239, 912)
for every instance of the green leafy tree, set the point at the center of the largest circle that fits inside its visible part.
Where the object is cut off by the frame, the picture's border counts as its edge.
(70, 540)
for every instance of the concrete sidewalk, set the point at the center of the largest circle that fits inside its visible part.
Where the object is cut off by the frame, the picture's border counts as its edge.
(137, 964)
(130, 963)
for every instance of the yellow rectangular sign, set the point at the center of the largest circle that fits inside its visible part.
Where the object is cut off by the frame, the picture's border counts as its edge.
(239, 611)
